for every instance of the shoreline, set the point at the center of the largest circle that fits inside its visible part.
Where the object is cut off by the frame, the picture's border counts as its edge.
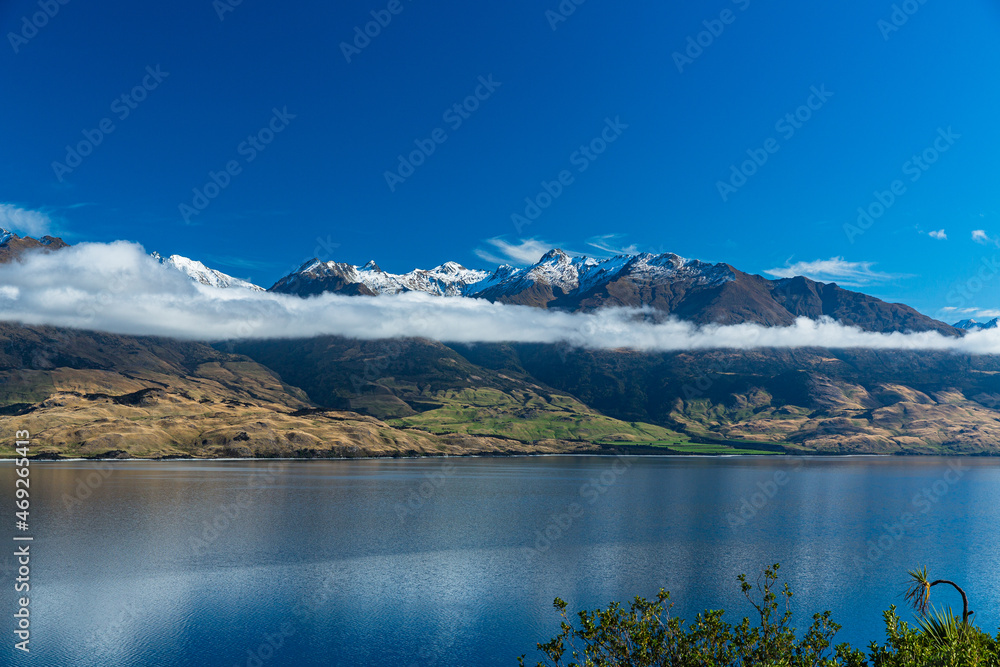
(811, 455)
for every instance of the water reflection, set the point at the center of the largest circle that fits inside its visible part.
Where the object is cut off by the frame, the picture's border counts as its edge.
(326, 563)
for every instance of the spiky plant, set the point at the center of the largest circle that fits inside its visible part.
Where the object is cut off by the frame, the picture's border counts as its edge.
(918, 593)
(943, 627)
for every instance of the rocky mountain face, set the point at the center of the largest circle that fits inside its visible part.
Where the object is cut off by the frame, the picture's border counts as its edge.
(13, 246)
(688, 289)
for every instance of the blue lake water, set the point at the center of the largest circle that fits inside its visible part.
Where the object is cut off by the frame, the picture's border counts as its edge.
(457, 561)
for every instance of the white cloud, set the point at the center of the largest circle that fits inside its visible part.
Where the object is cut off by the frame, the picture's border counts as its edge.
(609, 243)
(118, 288)
(983, 313)
(527, 251)
(939, 235)
(835, 269)
(951, 314)
(24, 221)
(980, 236)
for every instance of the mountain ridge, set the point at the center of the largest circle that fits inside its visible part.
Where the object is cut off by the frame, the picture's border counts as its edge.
(691, 290)
(667, 284)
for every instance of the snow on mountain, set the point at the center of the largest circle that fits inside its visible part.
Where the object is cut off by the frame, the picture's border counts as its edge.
(556, 269)
(973, 325)
(204, 275)
(449, 279)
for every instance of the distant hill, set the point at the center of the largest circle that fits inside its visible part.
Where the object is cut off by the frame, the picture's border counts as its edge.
(94, 394)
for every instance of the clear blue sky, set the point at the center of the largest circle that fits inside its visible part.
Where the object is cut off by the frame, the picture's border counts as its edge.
(654, 188)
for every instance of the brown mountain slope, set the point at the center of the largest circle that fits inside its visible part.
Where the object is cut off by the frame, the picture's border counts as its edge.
(86, 394)
(752, 298)
(836, 401)
(14, 246)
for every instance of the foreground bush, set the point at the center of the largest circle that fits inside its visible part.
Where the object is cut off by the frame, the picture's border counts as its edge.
(643, 634)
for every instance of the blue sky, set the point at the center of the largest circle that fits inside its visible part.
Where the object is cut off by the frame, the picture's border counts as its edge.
(302, 140)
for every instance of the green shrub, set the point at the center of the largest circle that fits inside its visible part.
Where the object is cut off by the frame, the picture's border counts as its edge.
(644, 634)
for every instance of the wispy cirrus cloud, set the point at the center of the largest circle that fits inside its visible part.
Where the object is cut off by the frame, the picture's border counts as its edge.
(25, 221)
(974, 313)
(519, 253)
(611, 244)
(835, 269)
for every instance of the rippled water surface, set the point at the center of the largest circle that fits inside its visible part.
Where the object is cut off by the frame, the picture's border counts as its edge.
(456, 562)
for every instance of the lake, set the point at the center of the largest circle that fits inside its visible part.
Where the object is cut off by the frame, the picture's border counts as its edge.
(456, 561)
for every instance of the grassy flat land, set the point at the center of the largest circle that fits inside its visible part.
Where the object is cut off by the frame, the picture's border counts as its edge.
(528, 416)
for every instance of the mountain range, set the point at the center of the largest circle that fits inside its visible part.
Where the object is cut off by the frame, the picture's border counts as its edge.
(95, 394)
(688, 289)
(691, 290)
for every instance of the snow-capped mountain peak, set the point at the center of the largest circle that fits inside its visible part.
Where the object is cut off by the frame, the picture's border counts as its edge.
(556, 270)
(974, 325)
(204, 275)
(449, 268)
